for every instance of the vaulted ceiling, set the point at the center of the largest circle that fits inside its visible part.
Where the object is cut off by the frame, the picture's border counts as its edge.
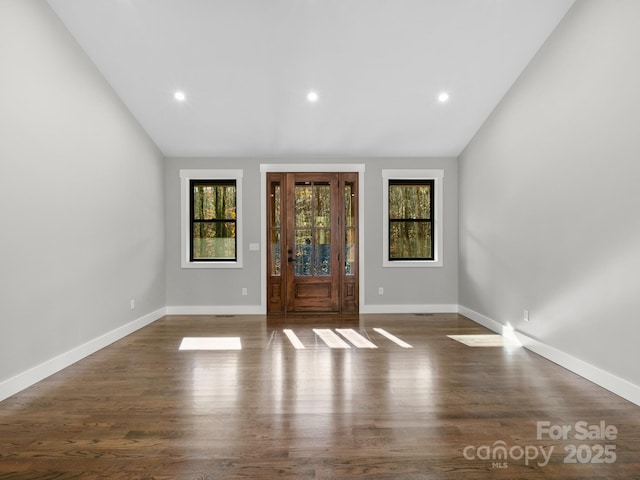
(246, 68)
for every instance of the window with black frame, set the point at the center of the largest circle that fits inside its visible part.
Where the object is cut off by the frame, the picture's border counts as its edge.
(213, 218)
(411, 219)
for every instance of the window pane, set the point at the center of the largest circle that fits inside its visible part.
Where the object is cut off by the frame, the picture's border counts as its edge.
(410, 240)
(213, 215)
(409, 201)
(214, 201)
(214, 241)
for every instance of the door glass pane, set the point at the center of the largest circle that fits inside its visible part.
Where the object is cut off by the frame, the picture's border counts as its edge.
(322, 253)
(312, 228)
(348, 205)
(275, 205)
(304, 252)
(303, 231)
(303, 197)
(349, 251)
(349, 234)
(275, 251)
(322, 234)
(275, 215)
(321, 204)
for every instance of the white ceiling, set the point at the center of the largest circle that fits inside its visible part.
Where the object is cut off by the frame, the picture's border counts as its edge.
(246, 67)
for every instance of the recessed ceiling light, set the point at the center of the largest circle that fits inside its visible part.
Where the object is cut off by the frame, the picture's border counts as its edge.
(443, 97)
(312, 96)
(180, 96)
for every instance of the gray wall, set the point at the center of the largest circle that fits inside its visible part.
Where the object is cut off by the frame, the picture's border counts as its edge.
(222, 287)
(213, 287)
(410, 286)
(81, 197)
(549, 193)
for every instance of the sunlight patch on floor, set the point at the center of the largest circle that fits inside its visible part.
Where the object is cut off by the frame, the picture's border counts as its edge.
(293, 338)
(330, 338)
(211, 343)
(392, 337)
(354, 337)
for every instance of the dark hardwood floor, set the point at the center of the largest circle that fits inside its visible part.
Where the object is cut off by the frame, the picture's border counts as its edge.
(142, 409)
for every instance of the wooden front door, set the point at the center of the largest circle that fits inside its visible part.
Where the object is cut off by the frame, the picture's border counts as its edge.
(312, 238)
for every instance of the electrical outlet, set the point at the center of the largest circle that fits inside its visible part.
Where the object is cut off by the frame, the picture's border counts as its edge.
(132, 304)
(525, 316)
(380, 291)
(244, 291)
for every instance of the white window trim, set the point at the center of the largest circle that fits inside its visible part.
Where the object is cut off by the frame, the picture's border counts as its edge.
(438, 180)
(185, 177)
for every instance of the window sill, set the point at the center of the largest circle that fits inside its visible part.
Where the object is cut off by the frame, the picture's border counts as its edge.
(412, 263)
(187, 264)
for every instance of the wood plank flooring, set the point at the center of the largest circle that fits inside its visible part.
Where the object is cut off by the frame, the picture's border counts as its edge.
(142, 409)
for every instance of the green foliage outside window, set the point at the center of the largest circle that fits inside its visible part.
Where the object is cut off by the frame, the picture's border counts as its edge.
(213, 220)
(411, 220)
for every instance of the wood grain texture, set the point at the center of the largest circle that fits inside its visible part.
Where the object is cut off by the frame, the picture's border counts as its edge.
(141, 409)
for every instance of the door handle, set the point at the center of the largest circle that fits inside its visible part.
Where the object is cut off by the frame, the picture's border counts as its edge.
(291, 259)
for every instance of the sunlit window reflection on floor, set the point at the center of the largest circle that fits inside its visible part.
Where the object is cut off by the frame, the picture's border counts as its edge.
(214, 383)
(330, 339)
(355, 338)
(211, 343)
(393, 338)
(293, 338)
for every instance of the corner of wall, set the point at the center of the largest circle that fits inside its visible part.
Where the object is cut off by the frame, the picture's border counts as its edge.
(606, 380)
(32, 376)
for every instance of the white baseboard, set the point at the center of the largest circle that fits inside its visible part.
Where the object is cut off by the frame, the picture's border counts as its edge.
(482, 320)
(216, 310)
(445, 308)
(32, 376)
(606, 380)
(260, 310)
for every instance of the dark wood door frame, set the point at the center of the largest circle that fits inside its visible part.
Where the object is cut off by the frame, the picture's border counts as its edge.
(288, 292)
